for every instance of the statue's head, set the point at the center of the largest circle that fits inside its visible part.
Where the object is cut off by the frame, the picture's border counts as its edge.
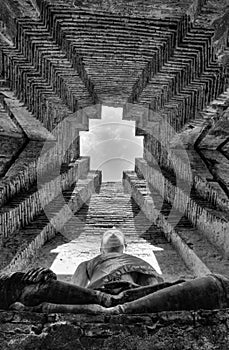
(113, 240)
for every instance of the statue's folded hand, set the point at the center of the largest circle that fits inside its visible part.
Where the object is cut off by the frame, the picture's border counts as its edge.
(38, 275)
(17, 306)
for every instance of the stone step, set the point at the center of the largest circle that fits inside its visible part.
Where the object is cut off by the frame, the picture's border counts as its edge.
(29, 77)
(208, 131)
(78, 66)
(8, 127)
(188, 81)
(37, 38)
(113, 208)
(201, 256)
(51, 11)
(24, 207)
(23, 66)
(32, 128)
(12, 138)
(10, 148)
(22, 173)
(186, 164)
(20, 248)
(64, 22)
(212, 223)
(19, 156)
(51, 103)
(136, 10)
(164, 82)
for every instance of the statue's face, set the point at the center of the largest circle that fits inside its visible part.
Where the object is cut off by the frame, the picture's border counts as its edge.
(113, 238)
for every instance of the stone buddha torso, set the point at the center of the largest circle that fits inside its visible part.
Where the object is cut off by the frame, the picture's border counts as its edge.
(105, 268)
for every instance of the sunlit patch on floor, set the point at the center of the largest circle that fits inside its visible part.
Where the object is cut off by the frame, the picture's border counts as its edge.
(71, 254)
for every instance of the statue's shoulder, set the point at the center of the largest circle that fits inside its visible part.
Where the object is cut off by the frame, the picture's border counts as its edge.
(223, 279)
(92, 263)
(11, 277)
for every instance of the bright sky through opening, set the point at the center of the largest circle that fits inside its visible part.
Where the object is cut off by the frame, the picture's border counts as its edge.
(111, 144)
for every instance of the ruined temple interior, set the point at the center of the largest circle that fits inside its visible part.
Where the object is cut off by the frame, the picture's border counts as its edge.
(166, 64)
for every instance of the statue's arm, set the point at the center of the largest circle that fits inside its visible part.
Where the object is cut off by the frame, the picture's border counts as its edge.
(80, 277)
(39, 274)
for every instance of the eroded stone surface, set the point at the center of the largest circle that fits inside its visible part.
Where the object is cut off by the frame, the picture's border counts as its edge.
(205, 330)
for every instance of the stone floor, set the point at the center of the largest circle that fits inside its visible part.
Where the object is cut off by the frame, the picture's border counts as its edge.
(201, 330)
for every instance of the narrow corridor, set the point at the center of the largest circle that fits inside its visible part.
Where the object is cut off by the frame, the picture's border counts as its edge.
(111, 207)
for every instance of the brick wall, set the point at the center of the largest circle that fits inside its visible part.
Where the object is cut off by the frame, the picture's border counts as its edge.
(13, 218)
